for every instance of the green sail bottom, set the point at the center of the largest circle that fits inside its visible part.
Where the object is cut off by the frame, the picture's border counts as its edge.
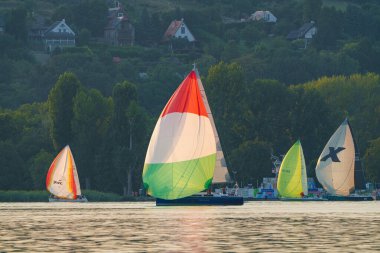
(179, 179)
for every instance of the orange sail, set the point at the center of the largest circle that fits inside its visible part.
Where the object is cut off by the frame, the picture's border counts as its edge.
(62, 178)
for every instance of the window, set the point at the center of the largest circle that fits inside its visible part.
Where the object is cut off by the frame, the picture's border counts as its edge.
(183, 30)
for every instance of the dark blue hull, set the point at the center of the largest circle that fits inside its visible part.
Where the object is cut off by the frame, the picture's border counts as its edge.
(349, 198)
(202, 201)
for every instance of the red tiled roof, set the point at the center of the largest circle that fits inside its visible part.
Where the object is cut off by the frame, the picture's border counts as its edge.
(172, 29)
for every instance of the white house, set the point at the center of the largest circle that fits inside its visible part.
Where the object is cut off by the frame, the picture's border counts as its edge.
(265, 16)
(178, 29)
(59, 34)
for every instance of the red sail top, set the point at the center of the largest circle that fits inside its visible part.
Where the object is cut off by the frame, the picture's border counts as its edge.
(187, 98)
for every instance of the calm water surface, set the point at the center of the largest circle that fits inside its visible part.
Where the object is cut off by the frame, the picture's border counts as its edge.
(140, 227)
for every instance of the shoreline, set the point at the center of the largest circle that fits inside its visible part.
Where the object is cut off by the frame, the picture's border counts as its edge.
(43, 196)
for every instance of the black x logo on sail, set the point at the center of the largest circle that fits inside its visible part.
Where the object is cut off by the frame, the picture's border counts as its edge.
(333, 154)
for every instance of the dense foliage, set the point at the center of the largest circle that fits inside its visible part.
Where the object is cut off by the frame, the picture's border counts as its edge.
(265, 91)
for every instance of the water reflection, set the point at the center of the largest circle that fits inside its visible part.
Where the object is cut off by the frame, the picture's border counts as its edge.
(129, 227)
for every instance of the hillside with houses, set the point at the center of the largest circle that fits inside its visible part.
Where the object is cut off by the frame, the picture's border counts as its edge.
(274, 71)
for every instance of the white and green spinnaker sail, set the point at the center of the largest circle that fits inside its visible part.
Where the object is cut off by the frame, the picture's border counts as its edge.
(292, 178)
(181, 156)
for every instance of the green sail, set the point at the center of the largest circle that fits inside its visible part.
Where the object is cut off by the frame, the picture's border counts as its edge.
(179, 179)
(292, 179)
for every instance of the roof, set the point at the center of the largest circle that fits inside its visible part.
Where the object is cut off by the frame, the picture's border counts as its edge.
(172, 29)
(300, 33)
(49, 33)
(261, 13)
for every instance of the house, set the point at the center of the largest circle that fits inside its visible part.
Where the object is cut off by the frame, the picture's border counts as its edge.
(265, 16)
(178, 29)
(119, 31)
(59, 34)
(2, 25)
(307, 31)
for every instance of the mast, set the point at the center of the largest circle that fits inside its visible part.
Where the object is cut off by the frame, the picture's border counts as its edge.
(221, 174)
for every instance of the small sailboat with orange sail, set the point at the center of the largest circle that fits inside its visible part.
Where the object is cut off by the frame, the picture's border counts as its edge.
(62, 180)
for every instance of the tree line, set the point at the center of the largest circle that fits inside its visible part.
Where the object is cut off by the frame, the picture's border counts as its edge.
(109, 134)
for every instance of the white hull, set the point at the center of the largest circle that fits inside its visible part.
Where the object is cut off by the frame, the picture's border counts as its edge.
(82, 200)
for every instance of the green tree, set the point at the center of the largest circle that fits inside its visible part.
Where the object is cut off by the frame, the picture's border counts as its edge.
(90, 125)
(225, 88)
(16, 24)
(12, 168)
(84, 37)
(129, 133)
(311, 10)
(251, 160)
(38, 169)
(61, 113)
(92, 15)
(372, 161)
(329, 28)
(267, 116)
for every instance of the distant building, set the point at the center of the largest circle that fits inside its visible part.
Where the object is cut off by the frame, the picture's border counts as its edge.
(119, 31)
(59, 34)
(178, 29)
(265, 16)
(306, 32)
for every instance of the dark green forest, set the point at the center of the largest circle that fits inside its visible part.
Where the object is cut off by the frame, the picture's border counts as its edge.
(265, 91)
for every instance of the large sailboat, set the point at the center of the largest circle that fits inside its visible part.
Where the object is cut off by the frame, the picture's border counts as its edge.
(184, 156)
(62, 179)
(338, 168)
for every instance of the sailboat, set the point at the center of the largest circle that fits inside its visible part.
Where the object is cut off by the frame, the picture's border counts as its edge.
(336, 167)
(184, 156)
(62, 179)
(292, 178)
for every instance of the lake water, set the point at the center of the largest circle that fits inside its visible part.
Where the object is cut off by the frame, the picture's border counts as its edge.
(141, 227)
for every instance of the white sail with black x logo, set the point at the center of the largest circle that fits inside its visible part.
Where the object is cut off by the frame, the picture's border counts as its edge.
(336, 164)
